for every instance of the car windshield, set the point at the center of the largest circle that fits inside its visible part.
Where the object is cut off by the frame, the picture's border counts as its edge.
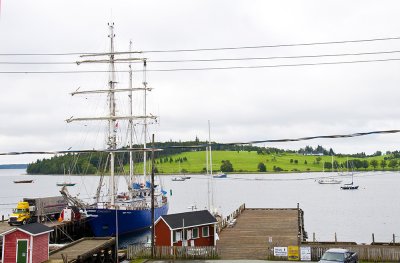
(330, 256)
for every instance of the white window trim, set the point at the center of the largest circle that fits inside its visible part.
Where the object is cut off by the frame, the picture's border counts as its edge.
(177, 240)
(208, 231)
(198, 234)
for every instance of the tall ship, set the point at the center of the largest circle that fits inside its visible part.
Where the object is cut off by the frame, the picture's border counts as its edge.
(115, 213)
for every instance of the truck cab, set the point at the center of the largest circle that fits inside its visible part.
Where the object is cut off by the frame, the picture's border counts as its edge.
(21, 214)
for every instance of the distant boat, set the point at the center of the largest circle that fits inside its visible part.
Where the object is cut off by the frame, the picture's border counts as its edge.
(178, 178)
(329, 181)
(66, 184)
(220, 175)
(23, 181)
(350, 186)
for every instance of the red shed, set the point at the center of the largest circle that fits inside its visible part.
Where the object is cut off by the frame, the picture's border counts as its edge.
(196, 228)
(26, 244)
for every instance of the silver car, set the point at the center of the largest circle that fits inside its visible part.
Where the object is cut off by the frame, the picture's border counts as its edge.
(339, 255)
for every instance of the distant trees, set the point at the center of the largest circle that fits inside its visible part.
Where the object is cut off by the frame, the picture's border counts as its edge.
(393, 164)
(374, 163)
(261, 167)
(226, 166)
(383, 164)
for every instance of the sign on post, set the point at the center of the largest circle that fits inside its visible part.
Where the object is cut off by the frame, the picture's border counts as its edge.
(305, 253)
(293, 253)
(280, 251)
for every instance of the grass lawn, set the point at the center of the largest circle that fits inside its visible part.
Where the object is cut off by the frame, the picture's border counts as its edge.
(245, 161)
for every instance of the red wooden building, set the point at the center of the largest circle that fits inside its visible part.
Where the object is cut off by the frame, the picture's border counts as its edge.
(27, 243)
(196, 228)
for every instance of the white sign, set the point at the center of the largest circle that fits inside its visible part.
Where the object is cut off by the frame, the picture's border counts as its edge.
(270, 239)
(280, 251)
(305, 253)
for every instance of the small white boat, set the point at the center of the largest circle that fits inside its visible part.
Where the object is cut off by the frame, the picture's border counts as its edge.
(329, 181)
(178, 178)
(221, 175)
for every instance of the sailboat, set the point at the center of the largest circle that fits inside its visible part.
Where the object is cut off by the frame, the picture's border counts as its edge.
(120, 213)
(329, 180)
(350, 186)
(65, 183)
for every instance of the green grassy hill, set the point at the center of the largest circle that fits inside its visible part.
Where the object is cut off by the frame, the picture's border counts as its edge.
(247, 161)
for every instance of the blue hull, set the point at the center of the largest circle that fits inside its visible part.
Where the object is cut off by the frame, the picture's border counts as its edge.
(102, 221)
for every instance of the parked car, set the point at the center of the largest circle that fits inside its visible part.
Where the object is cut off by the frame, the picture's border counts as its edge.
(339, 255)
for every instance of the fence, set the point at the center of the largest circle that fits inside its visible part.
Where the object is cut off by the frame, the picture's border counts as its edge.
(225, 222)
(144, 251)
(370, 253)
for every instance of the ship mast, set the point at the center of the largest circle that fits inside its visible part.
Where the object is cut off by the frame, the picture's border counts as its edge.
(130, 121)
(144, 120)
(112, 141)
(112, 117)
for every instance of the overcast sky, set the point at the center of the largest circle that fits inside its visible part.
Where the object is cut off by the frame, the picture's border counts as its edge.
(242, 104)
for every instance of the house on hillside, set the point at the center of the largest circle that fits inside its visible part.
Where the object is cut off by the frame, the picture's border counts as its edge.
(27, 243)
(195, 228)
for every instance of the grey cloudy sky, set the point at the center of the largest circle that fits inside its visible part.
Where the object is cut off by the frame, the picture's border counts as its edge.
(242, 104)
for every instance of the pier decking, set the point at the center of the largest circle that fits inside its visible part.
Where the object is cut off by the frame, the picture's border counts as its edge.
(256, 230)
(86, 250)
(63, 231)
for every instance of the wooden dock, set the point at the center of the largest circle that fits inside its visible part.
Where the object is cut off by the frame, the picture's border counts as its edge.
(256, 230)
(63, 231)
(88, 249)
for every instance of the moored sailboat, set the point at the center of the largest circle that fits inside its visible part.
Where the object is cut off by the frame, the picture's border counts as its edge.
(116, 214)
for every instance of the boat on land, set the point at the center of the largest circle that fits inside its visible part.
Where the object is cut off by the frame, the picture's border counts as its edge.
(23, 181)
(113, 213)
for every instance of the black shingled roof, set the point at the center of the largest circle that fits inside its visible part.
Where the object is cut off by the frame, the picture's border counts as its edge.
(35, 228)
(193, 218)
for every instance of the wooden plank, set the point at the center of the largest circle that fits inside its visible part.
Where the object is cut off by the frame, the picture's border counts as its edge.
(249, 237)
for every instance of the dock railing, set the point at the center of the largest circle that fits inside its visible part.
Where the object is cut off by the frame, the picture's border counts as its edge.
(230, 219)
(174, 252)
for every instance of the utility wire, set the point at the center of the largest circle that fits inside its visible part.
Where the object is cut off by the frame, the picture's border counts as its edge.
(206, 49)
(204, 68)
(212, 59)
(273, 46)
(337, 136)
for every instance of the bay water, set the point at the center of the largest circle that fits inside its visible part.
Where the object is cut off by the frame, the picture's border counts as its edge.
(352, 214)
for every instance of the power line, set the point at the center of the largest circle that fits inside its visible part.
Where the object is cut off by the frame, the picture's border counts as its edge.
(214, 59)
(205, 49)
(273, 46)
(336, 136)
(203, 68)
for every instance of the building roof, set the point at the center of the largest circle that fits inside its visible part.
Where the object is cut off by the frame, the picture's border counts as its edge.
(33, 229)
(188, 219)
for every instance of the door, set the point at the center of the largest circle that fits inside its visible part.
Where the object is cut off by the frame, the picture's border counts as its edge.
(22, 251)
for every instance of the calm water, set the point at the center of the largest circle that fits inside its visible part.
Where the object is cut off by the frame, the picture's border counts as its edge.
(353, 215)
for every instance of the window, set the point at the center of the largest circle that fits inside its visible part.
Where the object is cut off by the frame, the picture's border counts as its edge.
(196, 232)
(177, 236)
(205, 230)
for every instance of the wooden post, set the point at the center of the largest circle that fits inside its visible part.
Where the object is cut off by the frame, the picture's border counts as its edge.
(313, 236)
(335, 238)
(373, 238)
